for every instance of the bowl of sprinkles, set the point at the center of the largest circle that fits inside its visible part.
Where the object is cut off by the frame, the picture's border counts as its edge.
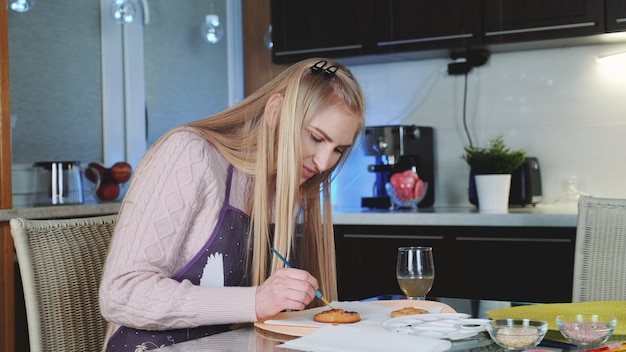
(517, 334)
(586, 330)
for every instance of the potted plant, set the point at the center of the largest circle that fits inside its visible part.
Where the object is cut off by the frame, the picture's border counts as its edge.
(491, 169)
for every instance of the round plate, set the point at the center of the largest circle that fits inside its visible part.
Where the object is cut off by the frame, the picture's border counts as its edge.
(451, 326)
(297, 331)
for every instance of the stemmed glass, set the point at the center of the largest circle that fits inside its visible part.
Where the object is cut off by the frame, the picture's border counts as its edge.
(415, 271)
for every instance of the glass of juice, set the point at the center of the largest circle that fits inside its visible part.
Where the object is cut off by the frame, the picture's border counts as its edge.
(415, 271)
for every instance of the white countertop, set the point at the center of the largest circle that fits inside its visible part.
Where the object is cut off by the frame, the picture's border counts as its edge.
(61, 211)
(539, 216)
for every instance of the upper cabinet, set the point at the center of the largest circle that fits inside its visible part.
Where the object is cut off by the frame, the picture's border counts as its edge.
(409, 25)
(351, 28)
(508, 21)
(615, 15)
(303, 28)
(380, 30)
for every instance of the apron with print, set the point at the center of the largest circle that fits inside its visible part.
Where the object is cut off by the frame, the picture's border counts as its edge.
(221, 256)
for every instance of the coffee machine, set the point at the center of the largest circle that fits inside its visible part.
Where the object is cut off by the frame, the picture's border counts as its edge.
(395, 149)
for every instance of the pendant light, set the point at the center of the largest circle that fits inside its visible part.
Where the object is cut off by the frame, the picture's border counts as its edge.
(211, 29)
(124, 11)
(21, 5)
(267, 38)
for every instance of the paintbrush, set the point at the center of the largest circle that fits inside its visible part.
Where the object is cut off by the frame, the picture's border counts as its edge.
(318, 294)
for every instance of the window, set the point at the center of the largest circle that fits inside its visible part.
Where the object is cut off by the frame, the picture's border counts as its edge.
(84, 87)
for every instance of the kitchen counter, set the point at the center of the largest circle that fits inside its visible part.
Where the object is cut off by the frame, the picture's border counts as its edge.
(539, 216)
(61, 211)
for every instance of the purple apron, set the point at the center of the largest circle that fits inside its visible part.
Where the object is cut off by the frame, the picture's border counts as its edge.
(228, 241)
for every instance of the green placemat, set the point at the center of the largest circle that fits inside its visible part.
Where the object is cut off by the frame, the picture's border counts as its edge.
(549, 312)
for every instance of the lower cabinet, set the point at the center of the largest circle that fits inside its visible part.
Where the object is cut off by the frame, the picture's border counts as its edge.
(523, 264)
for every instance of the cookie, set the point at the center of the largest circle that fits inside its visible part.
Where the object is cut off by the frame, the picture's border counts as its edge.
(338, 316)
(408, 311)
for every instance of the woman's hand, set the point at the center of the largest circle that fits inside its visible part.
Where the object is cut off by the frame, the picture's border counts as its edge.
(287, 288)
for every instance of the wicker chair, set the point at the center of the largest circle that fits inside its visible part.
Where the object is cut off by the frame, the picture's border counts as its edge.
(61, 264)
(600, 256)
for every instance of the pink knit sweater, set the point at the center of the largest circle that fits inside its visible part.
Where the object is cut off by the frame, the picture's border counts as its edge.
(167, 215)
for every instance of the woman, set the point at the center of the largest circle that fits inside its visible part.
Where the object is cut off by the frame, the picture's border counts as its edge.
(191, 254)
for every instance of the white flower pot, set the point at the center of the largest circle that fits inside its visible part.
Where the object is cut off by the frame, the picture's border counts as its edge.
(493, 193)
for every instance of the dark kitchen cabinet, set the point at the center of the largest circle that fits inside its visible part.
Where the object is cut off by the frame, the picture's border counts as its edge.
(615, 15)
(350, 28)
(386, 30)
(508, 21)
(303, 28)
(366, 259)
(532, 264)
(409, 25)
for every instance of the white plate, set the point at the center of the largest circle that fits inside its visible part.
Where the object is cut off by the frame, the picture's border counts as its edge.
(451, 326)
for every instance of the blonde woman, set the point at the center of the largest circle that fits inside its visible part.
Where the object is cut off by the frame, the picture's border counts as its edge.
(191, 254)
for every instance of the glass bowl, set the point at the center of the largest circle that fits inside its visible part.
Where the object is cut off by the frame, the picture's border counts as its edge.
(586, 329)
(122, 188)
(109, 192)
(517, 334)
(405, 203)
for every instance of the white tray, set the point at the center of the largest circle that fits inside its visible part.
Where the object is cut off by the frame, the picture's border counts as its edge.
(451, 326)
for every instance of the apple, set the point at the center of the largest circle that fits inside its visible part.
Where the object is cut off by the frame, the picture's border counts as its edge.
(419, 190)
(110, 178)
(408, 185)
(108, 191)
(121, 172)
(404, 184)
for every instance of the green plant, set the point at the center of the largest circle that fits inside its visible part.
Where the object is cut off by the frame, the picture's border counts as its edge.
(495, 158)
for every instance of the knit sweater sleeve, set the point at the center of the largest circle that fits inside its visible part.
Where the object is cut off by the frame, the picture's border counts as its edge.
(167, 215)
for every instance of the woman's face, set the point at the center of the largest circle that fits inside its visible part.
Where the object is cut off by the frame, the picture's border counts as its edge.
(325, 138)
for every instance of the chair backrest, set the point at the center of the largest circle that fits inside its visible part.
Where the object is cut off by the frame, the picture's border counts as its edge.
(600, 255)
(61, 263)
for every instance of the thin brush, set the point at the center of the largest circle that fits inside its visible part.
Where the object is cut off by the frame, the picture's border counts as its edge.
(318, 294)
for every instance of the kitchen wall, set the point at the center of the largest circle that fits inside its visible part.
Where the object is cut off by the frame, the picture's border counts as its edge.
(559, 105)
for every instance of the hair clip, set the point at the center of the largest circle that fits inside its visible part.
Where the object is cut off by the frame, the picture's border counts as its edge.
(320, 66)
(330, 71)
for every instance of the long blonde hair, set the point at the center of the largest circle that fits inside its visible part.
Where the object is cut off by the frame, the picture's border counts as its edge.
(270, 152)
